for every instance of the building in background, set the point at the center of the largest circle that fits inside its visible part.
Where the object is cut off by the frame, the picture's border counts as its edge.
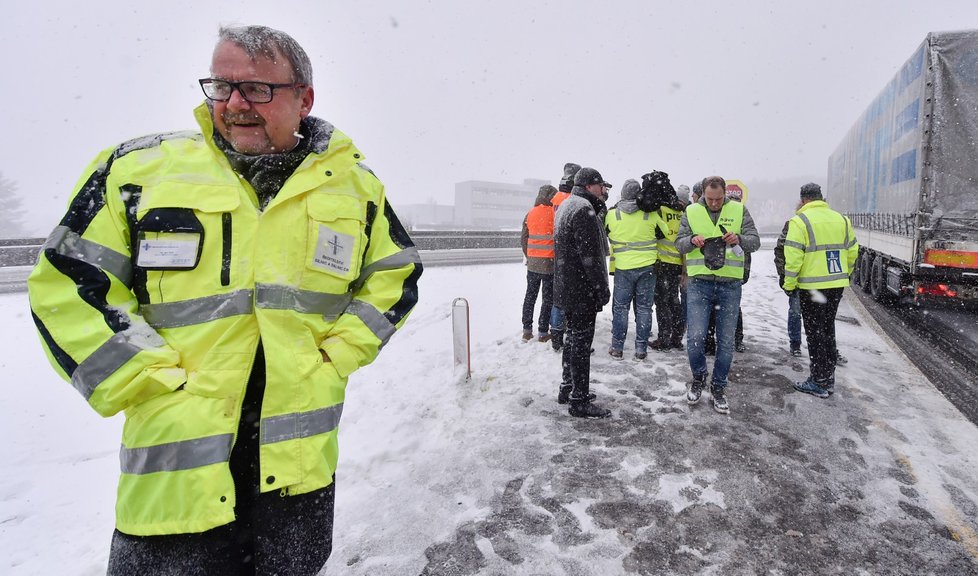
(479, 205)
(485, 205)
(428, 216)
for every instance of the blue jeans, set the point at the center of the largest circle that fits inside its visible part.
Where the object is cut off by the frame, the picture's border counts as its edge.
(702, 296)
(558, 323)
(638, 285)
(794, 320)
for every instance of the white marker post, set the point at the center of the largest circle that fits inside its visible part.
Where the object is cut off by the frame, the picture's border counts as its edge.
(460, 336)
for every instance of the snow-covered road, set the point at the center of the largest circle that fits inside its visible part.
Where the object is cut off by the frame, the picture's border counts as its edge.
(493, 477)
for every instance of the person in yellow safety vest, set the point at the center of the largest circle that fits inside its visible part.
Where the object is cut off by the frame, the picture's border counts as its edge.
(669, 313)
(219, 287)
(714, 234)
(820, 250)
(537, 241)
(632, 235)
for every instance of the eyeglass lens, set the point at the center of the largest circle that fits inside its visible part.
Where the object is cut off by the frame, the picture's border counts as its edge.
(220, 90)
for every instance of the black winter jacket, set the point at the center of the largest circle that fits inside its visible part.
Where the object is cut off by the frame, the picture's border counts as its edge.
(581, 272)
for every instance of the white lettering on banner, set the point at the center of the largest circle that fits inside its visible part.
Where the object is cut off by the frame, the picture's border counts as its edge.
(173, 250)
(334, 250)
(833, 261)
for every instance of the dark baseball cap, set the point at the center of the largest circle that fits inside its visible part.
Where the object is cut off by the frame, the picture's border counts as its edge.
(587, 176)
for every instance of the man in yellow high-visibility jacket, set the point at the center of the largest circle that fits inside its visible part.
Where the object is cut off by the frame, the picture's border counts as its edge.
(219, 287)
(634, 251)
(820, 250)
(714, 234)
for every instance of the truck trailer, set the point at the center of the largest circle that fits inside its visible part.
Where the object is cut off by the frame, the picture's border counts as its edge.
(906, 174)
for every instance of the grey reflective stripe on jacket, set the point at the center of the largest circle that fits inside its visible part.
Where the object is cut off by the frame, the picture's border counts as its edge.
(813, 245)
(172, 456)
(67, 243)
(829, 278)
(668, 247)
(330, 306)
(643, 246)
(392, 262)
(112, 355)
(732, 263)
(300, 424)
(618, 214)
(197, 310)
(278, 297)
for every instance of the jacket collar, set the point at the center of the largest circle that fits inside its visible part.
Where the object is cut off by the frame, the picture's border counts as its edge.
(814, 204)
(596, 203)
(331, 153)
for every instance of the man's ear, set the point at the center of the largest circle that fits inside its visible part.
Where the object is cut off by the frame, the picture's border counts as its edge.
(308, 96)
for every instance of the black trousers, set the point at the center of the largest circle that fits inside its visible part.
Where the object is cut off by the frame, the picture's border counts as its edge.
(819, 320)
(576, 359)
(669, 314)
(534, 282)
(271, 534)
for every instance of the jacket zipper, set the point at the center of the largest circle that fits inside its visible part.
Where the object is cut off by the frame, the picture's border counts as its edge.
(226, 252)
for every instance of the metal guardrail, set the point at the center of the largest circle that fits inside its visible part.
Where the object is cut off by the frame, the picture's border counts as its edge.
(464, 239)
(438, 248)
(19, 251)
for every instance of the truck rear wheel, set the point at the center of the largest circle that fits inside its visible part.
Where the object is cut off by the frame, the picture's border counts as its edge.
(878, 283)
(855, 278)
(866, 271)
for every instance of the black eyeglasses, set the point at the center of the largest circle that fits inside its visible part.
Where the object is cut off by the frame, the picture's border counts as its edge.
(255, 92)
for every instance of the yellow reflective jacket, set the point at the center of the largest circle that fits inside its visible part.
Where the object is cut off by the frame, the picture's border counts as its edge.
(820, 248)
(632, 238)
(152, 293)
(670, 229)
(732, 219)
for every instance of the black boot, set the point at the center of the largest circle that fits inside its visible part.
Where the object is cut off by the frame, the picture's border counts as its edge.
(586, 409)
(557, 340)
(563, 395)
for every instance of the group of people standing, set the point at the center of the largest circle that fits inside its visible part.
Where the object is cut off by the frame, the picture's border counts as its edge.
(688, 256)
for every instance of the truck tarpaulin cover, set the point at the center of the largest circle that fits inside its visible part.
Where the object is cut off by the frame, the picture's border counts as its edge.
(914, 150)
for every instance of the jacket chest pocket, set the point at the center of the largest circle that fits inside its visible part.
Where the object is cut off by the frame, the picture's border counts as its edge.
(183, 233)
(335, 241)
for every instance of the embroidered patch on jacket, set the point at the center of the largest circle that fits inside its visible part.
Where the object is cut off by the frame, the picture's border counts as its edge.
(334, 251)
(833, 261)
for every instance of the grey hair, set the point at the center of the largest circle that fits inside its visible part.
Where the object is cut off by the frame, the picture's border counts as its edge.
(265, 42)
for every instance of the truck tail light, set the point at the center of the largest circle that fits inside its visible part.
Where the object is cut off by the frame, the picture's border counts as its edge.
(937, 290)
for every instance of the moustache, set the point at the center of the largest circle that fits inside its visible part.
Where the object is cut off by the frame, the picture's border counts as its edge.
(230, 119)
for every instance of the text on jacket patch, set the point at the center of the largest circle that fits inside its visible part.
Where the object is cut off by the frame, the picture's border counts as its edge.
(334, 250)
(177, 250)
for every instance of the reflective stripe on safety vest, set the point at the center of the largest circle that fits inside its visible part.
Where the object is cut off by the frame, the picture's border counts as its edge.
(700, 224)
(540, 225)
(820, 248)
(632, 239)
(669, 225)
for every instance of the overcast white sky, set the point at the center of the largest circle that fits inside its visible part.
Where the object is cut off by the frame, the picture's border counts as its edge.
(444, 91)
